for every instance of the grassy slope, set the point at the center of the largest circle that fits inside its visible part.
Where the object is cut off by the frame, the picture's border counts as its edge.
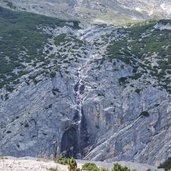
(146, 47)
(22, 40)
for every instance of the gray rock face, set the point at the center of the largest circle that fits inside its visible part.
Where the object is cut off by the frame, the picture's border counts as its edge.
(110, 11)
(86, 111)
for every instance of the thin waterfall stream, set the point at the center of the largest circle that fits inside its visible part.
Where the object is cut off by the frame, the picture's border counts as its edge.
(76, 138)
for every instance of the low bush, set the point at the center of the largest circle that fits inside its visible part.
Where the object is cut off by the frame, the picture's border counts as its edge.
(62, 160)
(145, 113)
(118, 167)
(90, 167)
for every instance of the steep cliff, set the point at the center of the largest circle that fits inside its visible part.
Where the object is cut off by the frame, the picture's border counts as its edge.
(101, 93)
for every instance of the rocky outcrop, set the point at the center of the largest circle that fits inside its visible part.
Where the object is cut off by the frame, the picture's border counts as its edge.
(91, 107)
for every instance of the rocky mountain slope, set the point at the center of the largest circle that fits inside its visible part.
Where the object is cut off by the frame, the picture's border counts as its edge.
(88, 11)
(100, 93)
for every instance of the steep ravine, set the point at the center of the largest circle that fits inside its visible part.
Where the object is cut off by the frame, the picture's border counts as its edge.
(77, 136)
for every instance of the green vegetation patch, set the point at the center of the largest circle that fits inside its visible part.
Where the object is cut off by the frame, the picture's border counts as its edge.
(90, 167)
(22, 41)
(72, 165)
(145, 113)
(62, 160)
(118, 167)
(166, 165)
(140, 43)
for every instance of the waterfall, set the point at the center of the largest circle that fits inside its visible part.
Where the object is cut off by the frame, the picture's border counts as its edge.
(79, 90)
(76, 137)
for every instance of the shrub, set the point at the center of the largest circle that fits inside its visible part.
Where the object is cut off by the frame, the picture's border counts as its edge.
(123, 80)
(138, 90)
(62, 160)
(144, 113)
(71, 162)
(166, 165)
(78, 169)
(90, 167)
(52, 74)
(103, 169)
(72, 165)
(118, 167)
